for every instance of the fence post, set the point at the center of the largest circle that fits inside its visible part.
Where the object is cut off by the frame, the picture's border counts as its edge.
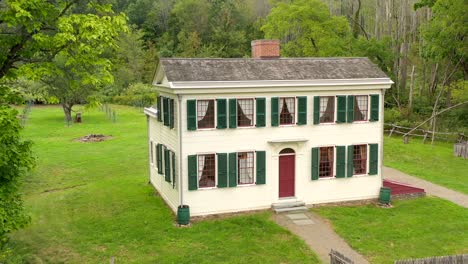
(425, 137)
(391, 131)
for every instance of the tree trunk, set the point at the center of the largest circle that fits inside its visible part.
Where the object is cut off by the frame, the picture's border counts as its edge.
(410, 100)
(67, 108)
(356, 20)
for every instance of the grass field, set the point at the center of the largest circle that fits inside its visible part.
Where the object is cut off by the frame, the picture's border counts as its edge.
(417, 228)
(91, 201)
(436, 163)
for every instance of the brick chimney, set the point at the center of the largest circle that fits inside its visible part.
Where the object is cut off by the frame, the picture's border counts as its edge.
(266, 49)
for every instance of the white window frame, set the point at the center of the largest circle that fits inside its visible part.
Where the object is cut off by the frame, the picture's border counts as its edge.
(254, 168)
(295, 111)
(254, 107)
(215, 171)
(214, 114)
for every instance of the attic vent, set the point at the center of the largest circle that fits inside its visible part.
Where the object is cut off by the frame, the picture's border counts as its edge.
(265, 49)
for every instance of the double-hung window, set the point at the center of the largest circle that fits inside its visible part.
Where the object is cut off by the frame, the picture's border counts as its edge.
(245, 112)
(287, 107)
(326, 158)
(360, 159)
(327, 109)
(206, 170)
(361, 107)
(205, 114)
(245, 164)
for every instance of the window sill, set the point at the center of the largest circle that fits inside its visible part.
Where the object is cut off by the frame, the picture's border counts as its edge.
(205, 129)
(287, 125)
(360, 122)
(360, 175)
(207, 188)
(327, 124)
(246, 127)
(327, 178)
(246, 184)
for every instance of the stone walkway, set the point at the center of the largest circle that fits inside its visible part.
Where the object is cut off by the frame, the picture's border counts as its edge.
(430, 188)
(318, 235)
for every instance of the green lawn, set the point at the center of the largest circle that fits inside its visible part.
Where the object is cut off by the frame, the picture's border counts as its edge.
(433, 163)
(91, 201)
(416, 228)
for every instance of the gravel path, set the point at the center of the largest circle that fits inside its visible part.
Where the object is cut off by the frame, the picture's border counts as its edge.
(318, 234)
(430, 188)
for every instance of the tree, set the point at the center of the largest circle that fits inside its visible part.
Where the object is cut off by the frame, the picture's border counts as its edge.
(307, 29)
(15, 160)
(80, 67)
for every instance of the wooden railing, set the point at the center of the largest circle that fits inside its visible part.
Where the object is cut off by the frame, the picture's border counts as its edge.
(425, 134)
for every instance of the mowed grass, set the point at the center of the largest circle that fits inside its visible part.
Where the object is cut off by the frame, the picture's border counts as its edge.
(91, 201)
(436, 163)
(418, 228)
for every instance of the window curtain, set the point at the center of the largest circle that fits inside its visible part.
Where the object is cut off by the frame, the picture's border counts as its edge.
(242, 110)
(363, 154)
(285, 115)
(207, 119)
(245, 173)
(327, 116)
(207, 176)
(360, 107)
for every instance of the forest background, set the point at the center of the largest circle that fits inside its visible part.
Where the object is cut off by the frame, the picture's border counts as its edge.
(420, 44)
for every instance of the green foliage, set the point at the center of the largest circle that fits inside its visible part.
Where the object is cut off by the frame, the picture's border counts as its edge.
(307, 29)
(415, 228)
(445, 35)
(91, 201)
(137, 94)
(15, 160)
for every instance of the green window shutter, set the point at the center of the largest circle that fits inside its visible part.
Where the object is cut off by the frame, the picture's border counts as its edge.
(261, 109)
(340, 161)
(192, 173)
(316, 110)
(315, 163)
(350, 108)
(374, 105)
(173, 169)
(341, 109)
(233, 169)
(159, 106)
(302, 110)
(191, 115)
(232, 113)
(373, 159)
(159, 157)
(167, 165)
(222, 170)
(221, 113)
(350, 164)
(261, 166)
(274, 111)
(166, 111)
(171, 113)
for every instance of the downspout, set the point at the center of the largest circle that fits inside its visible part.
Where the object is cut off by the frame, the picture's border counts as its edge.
(381, 117)
(181, 190)
(149, 150)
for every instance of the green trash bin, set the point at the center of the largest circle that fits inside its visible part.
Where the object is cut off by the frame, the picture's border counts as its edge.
(183, 215)
(385, 194)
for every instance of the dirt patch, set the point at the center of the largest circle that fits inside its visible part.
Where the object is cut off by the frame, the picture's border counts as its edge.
(93, 138)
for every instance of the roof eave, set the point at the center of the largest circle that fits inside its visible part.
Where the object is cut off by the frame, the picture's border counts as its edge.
(279, 83)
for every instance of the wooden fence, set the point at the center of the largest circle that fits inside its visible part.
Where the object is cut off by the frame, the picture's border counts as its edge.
(455, 259)
(461, 149)
(338, 258)
(425, 134)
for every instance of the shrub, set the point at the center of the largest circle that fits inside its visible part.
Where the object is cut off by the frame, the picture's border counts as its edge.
(137, 94)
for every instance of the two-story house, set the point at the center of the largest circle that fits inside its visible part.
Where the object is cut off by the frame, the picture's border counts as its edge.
(242, 134)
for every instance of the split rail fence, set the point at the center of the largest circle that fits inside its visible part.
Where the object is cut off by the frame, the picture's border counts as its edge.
(425, 134)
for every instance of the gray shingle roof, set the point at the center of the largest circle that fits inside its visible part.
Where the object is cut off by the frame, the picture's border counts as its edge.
(179, 69)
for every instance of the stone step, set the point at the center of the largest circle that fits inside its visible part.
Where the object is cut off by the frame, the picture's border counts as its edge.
(290, 209)
(287, 204)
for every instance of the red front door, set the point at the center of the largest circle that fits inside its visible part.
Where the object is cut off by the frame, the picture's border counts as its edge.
(286, 175)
